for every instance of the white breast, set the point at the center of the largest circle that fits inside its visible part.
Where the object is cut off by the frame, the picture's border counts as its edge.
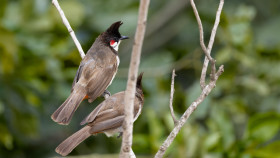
(138, 113)
(118, 62)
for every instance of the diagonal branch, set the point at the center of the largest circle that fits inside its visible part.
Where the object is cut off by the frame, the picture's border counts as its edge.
(132, 75)
(207, 50)
(70, 30)
(171, 98)
(206, 89)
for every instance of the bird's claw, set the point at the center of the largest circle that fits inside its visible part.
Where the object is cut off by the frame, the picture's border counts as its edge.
(106, 94)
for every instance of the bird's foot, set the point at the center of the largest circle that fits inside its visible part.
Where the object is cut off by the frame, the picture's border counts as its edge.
(106, 94)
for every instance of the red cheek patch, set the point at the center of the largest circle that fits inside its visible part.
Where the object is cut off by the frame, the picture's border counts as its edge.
(112, 42)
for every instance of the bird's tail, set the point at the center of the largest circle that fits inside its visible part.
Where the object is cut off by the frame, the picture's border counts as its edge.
(74, 140)
(65, 112)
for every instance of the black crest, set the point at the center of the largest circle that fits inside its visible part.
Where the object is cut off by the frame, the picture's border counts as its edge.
(139, 80)
(114, 29)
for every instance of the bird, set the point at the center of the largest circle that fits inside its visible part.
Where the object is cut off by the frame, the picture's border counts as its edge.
(107, 118)
(95, 73)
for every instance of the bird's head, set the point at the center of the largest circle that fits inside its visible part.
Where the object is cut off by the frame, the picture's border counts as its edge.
(112, 36)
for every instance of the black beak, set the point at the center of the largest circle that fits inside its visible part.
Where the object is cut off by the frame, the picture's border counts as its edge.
(124, 37)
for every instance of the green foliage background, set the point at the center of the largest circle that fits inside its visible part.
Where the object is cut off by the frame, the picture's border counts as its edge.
(240, 118)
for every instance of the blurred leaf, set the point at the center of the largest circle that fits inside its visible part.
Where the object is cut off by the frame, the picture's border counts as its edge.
(8, 48)
(26, 124)
(212, 141)
(263, 127)
(157, 64)
(255, 85)
(224, 55)
(246, 13)
(240, 33)
(44, 23)
(271, 151)
(223, 125)
(141, 142)
(265, 36)
(3, 7)
(5, 137)
(32, 99)
(245, 59)
(1, 107)
(192, 140)
(73, 11)
(13, 11)
(155, 129)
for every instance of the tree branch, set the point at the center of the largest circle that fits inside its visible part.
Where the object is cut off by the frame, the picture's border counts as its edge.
(132, 75)
(206, 89)
(70, 30)
(171, 98)
(207, 51)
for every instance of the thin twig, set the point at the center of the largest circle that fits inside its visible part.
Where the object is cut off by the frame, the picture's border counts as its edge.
(206, 89)
(212, 38)
(132, 75)
(188, 112)
(207, 50)
(171, 99)
(201, 36)
(70, 30)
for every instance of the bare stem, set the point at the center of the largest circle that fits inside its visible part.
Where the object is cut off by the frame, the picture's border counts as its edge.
(206, 89)
(171, 98)
(207, 50)
(216, 24)
(70, 30)
(132, 75)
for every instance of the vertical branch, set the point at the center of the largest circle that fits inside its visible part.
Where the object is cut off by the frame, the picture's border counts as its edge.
(70, 30)
(216, 24)
(211, 41)
(132, 75)
(171, 98)
(207, 50)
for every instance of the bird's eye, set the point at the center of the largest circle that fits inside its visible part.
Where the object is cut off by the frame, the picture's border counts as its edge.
(112, 42)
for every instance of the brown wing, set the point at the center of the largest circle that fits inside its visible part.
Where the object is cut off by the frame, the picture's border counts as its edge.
(96, 74)
(105, 108)
(100, 81)
(107, 124)
(110, 113)
(111, 116)
(92, 115)
(77, 76)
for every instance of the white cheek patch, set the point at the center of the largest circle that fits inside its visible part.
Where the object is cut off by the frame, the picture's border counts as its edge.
(116, 45)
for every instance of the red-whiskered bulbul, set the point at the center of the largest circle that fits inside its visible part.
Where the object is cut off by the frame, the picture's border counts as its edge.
(95, 73)
(106, 118)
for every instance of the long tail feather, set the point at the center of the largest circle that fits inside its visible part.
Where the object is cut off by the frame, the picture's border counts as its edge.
(74, 140)
(64, 113)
